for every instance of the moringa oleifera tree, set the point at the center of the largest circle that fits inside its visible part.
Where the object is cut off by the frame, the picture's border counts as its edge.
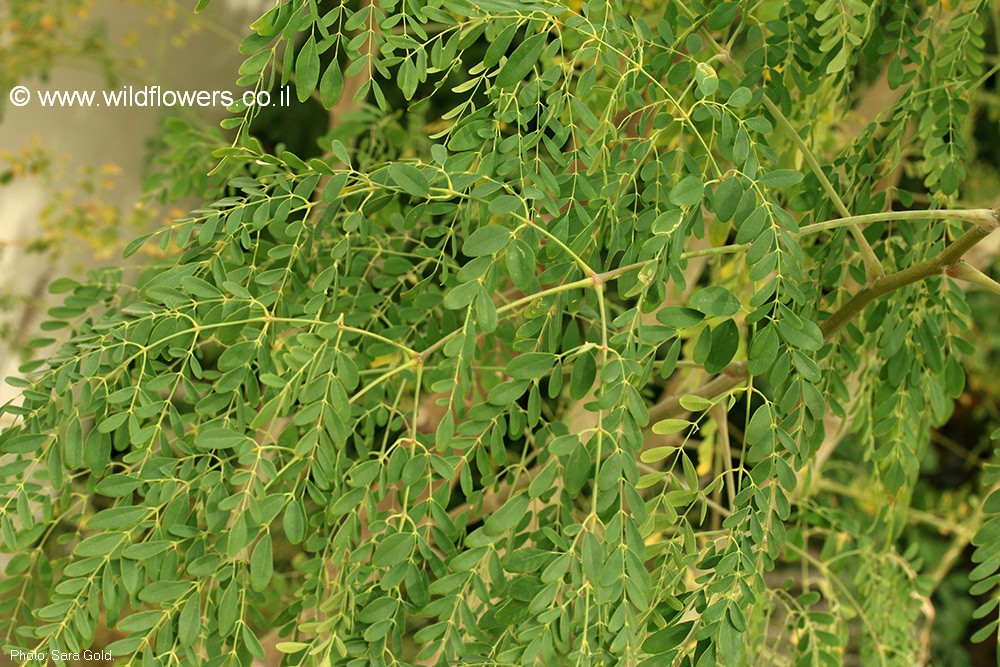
(553, 371)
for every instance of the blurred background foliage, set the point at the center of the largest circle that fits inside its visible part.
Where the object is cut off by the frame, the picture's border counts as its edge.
(89, 212)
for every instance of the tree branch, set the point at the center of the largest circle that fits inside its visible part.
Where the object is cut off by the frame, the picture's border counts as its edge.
(886, 284)
(980, 216)
(965, 271)
(671, 406)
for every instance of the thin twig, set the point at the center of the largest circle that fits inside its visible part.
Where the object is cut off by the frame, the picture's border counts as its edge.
(731, 377)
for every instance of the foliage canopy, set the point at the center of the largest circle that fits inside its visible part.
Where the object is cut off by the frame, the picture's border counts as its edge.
(562, 365)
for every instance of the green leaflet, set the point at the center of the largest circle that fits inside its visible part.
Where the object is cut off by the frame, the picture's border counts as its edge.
(331, 86)
(306, 70)
(715, 302)
(486, 241)
(521, 61)
(688, 192)
(409, 178)
(219, 438)
(261, 564)
(505, 518)
(393, 549)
